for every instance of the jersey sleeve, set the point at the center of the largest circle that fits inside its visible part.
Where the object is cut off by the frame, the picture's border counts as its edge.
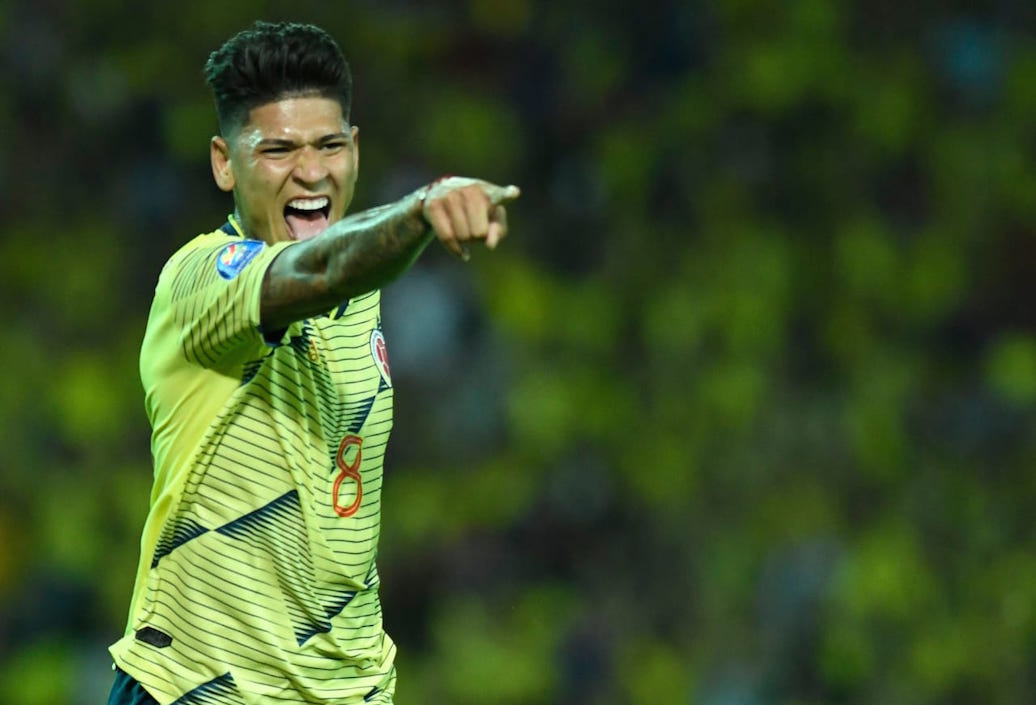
(213, 293)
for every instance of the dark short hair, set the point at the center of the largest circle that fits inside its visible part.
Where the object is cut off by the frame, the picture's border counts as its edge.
(271, 61)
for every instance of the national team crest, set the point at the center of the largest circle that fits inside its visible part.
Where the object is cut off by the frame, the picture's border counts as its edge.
(233, 258)
(379, 351)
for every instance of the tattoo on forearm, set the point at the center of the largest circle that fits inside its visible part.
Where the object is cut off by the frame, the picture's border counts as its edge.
(358, 254)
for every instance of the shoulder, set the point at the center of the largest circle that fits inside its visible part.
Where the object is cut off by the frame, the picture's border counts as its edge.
(216, 250)
(203, 244)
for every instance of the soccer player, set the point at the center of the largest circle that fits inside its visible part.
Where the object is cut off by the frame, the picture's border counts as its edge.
(269, 393)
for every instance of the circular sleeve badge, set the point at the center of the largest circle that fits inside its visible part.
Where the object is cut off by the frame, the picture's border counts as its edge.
(379, 351)
(234, 257)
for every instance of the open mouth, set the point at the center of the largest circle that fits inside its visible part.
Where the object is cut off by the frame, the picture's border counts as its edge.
(307, 217)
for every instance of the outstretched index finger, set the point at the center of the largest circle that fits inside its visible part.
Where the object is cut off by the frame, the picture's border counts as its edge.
(501, 194)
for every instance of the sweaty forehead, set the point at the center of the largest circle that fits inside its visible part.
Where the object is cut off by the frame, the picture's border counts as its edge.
(297, 119)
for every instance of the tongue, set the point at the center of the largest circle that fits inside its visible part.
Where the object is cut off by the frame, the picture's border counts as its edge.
(305, 224)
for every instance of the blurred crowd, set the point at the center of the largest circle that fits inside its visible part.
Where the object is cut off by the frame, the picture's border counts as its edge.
(743, 412)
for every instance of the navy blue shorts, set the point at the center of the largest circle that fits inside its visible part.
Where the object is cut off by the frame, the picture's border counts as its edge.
(126, 691)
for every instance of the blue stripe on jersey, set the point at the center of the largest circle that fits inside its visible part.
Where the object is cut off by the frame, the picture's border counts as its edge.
(218, 691)
(361, 415)
(323, 627)
(255, 521)
(174, 536)
(340, 311)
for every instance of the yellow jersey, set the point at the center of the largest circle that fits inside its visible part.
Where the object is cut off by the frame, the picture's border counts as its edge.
(257, 580)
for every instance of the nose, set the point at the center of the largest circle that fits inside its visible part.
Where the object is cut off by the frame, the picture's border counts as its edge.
(309, 166)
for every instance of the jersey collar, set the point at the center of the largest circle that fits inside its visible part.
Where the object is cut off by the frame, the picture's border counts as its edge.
(232, 227)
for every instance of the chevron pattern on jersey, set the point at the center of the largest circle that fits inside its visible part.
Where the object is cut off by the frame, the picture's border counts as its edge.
(333, 416)
(356, 415)
(278, 530)
(301, 343)
(251, 369)
(175, 535)
(218, 691)
(332, 609)
(283, 512)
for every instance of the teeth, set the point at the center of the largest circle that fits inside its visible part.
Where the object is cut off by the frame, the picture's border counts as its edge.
(309, 204)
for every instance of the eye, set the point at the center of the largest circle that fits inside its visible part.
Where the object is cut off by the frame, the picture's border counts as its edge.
(334, 146)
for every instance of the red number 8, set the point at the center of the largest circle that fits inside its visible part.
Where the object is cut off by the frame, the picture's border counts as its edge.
(349, 470)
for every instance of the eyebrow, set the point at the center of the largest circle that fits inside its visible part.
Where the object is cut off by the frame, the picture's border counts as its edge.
(281, 142)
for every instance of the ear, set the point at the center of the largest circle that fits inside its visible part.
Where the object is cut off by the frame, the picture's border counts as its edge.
(222, 170)
(356, 148)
